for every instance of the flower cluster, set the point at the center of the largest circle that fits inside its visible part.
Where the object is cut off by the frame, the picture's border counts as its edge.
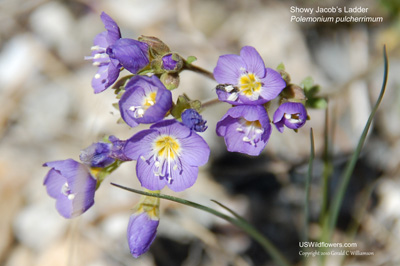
(249, 86)
(170, 152)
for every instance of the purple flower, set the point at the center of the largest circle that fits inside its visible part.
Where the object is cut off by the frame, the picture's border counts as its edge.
(245, 128)
(72, 185)
(117, 147)
(193, 120)
(102, 154)
(131, 54)
(141, 232)
(109, 68)
(245, 80)
(97, 155)
(292, 115)
(169, 154)
(146, 100)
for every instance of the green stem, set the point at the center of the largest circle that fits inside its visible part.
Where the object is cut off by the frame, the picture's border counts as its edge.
(241, 223)
(199, 70)
(210, 102)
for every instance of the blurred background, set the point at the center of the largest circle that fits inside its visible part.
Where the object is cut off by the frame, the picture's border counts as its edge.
(48, 112)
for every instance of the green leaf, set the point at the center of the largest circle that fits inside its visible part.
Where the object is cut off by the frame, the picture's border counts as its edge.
(331, 220)
(317, 103)
(280, 67)
(307, 83)
(191, 59)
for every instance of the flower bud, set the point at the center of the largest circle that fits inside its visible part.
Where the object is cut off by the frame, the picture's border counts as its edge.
(293, 115)
(142, 226)
(172, 63)
(97, 155)
(170, 80)
(157, 47)
(293, 93)
(193, 120)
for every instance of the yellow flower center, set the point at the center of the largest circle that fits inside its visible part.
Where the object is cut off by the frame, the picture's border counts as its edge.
(150, 100)
(166, 150)
(167, 147)
(249, 84)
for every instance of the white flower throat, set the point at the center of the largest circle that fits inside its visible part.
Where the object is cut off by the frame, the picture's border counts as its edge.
(251, 130)
(293, 118)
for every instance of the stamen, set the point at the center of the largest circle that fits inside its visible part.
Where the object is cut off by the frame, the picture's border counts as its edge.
(138, 111)
(143, 159)
(249, 85)
(233, 96)
(259, 130)
(293, 118)
(251, 130)
(229, 88)
(65, 189)
(97, 76)
(97, 48)
(71, 196)
(166, 150)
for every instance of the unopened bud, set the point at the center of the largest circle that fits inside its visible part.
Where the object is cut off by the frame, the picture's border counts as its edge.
(170, 80)
(293, 93)
(157, 47)
(172, 63)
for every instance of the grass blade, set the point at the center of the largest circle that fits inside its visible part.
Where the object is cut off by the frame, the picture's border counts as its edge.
(330, 223)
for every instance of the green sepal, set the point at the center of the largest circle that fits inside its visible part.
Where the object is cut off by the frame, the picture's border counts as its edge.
(184, 103)
(156, 46)
(120, 121)
(116, 106)
(100, 173)
(281, 69)
(181, 104)
(145, 71)
(120, 84)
